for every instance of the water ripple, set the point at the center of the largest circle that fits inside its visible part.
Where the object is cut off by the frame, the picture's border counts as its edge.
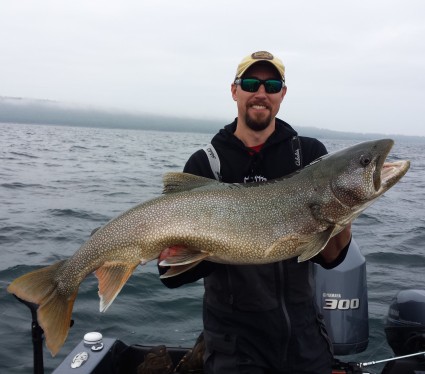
(59, 183)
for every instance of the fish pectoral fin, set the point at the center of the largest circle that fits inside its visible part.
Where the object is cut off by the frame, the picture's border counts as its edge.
(112, 276)
(314, 246)
(176, 270)
(183, 256)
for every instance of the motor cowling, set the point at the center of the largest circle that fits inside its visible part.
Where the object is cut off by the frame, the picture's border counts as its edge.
(405, 322)
(341, 295)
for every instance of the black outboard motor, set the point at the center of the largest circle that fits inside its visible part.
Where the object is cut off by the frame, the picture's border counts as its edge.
(341, 295)
(405, 331)
(405, 324)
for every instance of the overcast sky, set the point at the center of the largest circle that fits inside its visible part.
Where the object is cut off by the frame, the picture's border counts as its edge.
(350, 65)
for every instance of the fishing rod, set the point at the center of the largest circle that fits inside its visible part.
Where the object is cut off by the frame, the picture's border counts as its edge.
(370, 363)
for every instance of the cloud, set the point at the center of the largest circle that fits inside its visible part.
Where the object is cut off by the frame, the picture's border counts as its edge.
(350, 65)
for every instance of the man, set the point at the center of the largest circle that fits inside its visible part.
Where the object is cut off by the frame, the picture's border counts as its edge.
(261, 318)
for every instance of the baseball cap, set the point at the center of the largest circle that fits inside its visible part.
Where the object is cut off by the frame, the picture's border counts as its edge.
(255, 57)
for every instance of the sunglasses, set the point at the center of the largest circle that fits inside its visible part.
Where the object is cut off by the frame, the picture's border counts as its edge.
(252, 84)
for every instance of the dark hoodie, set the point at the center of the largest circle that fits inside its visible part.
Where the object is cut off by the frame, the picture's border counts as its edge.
(267, 310)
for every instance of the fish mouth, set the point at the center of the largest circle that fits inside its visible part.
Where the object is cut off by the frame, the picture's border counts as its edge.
(390, 174)
(386, 173)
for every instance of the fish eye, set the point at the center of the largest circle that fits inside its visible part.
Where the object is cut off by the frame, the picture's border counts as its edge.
(365, 160)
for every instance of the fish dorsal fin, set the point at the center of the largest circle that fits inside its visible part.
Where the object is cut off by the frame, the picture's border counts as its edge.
(178, 182)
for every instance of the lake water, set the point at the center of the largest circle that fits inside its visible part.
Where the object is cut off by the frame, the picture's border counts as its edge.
(59, 183)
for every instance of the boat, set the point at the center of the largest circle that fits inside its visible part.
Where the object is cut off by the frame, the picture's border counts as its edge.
(341, 295)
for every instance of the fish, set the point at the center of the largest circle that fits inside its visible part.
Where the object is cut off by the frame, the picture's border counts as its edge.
(197, 219)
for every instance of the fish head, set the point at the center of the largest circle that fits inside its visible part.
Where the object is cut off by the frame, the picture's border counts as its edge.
(361, 174)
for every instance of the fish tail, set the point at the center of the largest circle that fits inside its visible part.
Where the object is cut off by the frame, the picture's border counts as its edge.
(55, 309)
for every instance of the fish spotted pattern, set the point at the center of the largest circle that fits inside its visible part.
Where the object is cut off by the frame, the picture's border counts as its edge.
(202, 219)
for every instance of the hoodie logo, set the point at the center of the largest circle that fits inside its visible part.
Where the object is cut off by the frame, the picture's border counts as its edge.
(255, 179)
(297, 157)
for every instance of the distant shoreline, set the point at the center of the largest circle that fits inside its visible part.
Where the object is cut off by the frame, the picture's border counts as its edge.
(45, 112)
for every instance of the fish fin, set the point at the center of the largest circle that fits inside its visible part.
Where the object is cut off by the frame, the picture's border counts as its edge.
(183, 256)
(314, 246)
(176, 270)
(54, 318)
(54, 311)
(112, 276)
(284, 247)
(179, 182)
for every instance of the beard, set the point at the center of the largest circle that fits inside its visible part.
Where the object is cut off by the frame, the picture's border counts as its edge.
(258, 124)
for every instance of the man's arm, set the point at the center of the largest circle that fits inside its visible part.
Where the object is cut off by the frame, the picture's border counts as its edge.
(336, 249)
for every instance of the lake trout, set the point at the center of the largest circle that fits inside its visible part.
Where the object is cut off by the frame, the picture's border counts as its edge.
(198, 219)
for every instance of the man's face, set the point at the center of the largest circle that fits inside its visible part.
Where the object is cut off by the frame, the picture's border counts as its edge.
(258, 109)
